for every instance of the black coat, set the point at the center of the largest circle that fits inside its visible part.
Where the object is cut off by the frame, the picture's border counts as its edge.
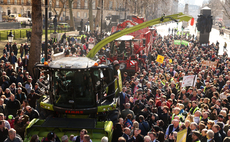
(20, 98)
(217, 137)
(3, 134)
(33, 114)
(128, 139)
(122, 100)
(12, 107)
(32, 99)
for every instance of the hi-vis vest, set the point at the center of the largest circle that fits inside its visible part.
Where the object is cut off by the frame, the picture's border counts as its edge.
(197, 108)
(182, 118)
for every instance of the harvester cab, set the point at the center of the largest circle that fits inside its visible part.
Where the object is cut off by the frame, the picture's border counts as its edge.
(81, 94)
(122, 49)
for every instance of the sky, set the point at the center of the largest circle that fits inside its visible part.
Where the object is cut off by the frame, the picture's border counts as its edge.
(196, 2)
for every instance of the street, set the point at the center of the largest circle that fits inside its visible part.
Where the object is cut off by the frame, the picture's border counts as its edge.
(214, 35)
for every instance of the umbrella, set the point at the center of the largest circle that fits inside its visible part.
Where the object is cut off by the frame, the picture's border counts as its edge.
(178, 42)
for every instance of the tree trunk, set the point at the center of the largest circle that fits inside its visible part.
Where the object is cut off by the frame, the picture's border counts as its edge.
(71, 14)
(97, 19)
(59, 15)
(63, 3)
(36, 37)
(90, 15)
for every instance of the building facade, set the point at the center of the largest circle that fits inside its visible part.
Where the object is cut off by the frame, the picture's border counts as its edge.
(22, 7)
(79, 8)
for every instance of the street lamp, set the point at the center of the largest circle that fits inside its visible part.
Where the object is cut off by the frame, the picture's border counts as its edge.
(10, 37)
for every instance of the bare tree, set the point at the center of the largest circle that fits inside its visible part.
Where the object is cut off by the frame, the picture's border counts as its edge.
(216, 7)
(71, 14)
(63, 3)
(91, 14)
(36, 37)
(145, 8)
(226, 8)
(98, 15)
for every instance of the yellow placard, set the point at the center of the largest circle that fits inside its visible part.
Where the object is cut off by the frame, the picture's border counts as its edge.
(181, 136)
(160, 59)
(170, 60)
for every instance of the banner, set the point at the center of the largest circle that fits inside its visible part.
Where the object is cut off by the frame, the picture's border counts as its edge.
(90, 46)
(209, 63)
(181, 136)
(189, 81)
(160, 59)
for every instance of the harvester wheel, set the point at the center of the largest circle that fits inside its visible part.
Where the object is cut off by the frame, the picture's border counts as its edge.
(122, 66)
(113, 116)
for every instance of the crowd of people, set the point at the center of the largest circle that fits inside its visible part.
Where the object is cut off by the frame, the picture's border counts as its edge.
(153, 105)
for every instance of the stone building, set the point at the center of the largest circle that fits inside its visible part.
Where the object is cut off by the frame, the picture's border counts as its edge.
(80, 8)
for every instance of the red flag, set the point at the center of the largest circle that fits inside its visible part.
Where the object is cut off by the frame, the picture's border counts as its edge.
(192, 22)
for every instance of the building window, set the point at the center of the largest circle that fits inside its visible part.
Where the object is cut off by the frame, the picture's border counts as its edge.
(110, 5)
(8, 1)
(28, 1)
(15, 1)
(22, 1)
(86, 4)
(94, 4)
(78, 4)
(57, 3)
(15, 10)
(22, 11)
(85, 15)
(78, 14)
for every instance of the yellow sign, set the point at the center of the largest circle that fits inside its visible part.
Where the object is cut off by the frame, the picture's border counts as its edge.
(170, 60)
(160, 59)
(181, 136)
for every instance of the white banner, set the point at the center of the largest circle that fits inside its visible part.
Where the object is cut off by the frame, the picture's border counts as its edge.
(90, 46)
(189, 81)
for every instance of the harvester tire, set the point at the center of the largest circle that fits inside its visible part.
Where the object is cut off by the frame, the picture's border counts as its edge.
(122, 66)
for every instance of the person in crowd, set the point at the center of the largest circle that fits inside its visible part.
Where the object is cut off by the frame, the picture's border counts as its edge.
(20, 126)
(12, 59)
(32, 98)
(127, 111)
(3, 131)
(51, 137)
(64, 138)
(4, 58)
(104, 139)
(80, 137)
(12, 136)
(126, 135)
(13, 105)
(217, 135)
(26, 48)
(31, 112)
(210, 136)
(35, 138)
(3, 107)
(6, 123)
(143, 125)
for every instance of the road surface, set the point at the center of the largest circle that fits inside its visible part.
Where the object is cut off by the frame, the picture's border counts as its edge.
(214, 35)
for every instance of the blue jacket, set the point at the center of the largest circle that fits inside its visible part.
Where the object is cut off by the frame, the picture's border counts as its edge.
(144, 126)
